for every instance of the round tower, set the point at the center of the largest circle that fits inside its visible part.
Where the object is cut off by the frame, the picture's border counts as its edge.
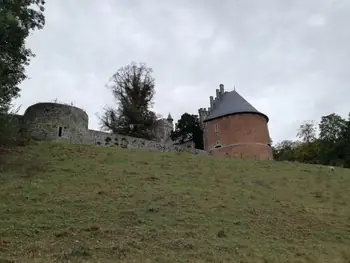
(234, 127)
(54, 121)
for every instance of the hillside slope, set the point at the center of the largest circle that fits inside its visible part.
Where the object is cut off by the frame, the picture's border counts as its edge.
(75, 203)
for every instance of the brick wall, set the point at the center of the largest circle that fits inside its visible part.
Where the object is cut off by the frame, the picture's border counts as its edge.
(244, 135)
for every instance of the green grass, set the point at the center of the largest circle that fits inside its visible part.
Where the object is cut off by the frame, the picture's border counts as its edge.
(75, 203)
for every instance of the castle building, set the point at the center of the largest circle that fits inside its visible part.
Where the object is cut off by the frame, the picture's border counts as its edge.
(233, 127)
(163, 129)
(60, 122)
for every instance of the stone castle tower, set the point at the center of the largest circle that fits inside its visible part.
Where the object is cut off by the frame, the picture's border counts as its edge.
(232, 126)
(164, 128)
(54, 121)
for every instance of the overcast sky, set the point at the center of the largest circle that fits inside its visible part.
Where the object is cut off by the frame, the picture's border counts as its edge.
(289, 59)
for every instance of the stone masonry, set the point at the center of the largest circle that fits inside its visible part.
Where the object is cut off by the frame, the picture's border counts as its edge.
(61, 122)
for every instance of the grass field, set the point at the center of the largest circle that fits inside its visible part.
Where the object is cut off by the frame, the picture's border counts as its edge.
(75, 203)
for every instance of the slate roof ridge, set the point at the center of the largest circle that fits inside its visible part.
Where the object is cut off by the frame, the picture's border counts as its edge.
(231, 103)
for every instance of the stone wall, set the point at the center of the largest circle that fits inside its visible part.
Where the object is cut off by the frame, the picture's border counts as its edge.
(60, 122)
(257, 151)
(107, 139)
(54, 121)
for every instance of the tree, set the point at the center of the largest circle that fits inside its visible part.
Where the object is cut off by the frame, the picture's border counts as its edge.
(188, 128)
(133, 89)
(307, 131)
(332, 128)
(347, 143)
(333, 133)
(17, 20)
(331, 148)
(285, 151)
(308, 152)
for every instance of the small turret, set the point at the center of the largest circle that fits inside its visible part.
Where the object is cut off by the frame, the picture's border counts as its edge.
(170, 119)
(222, 90)
(202, 114)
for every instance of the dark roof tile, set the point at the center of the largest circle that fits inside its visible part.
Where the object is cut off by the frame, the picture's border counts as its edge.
(232, 103)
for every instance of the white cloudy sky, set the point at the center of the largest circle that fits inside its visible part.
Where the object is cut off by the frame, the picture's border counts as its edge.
(289, 59)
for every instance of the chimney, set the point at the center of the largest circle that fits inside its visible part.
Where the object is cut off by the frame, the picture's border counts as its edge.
(200, 115)
(217, 94)
(211, 101)
(222, 90)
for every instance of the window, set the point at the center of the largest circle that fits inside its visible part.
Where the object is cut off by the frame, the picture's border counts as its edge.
(216, 127)
(60, 131)
(218, 145)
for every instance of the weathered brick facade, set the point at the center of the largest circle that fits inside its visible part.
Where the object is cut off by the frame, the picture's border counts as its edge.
(232, 127)
(245, 135)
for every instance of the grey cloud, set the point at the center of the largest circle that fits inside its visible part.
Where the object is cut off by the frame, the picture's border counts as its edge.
(290, 59)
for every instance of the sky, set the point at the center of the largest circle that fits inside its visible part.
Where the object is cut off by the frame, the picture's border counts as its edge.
(289, 59)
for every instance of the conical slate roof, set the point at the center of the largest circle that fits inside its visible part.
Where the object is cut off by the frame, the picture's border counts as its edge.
(232, 103)
(170, 118)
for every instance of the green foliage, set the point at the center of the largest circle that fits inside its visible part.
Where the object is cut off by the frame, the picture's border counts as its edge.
(188, 128)
(133, 89)
(10, 128)
(331, 147)
(285, 150)
(17, 20)
(332, 128)
(307, 131)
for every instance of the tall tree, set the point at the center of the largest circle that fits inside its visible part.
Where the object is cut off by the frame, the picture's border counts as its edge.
(188, 128)
(17, 20)
(307, 131)
(332, 128)
(333, 131)
(133, 89)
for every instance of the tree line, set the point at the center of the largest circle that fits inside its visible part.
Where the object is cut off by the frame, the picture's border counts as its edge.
(326, 143)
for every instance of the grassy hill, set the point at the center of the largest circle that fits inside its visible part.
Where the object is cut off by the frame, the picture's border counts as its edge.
(75, 203)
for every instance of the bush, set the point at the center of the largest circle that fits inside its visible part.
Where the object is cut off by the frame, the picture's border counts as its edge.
(11, 130)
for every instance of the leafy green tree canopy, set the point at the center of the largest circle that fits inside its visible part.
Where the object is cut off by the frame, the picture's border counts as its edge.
(17, 20)
(188, 128)
(133, 89)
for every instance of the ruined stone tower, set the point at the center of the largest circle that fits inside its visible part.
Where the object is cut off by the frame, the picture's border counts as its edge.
(232, 126)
